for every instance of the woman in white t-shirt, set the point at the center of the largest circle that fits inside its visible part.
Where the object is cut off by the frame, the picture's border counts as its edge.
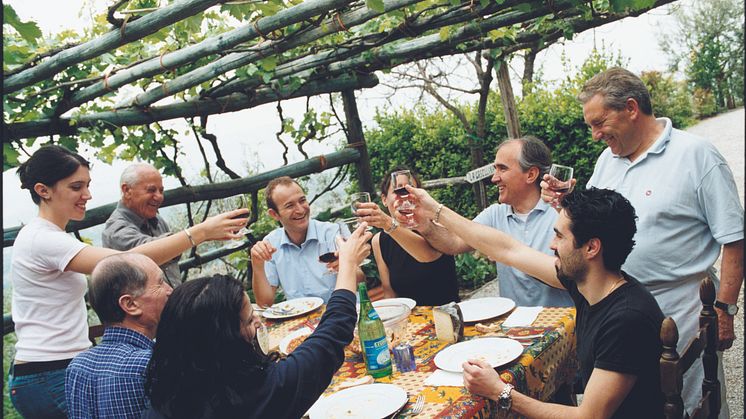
(48, 277)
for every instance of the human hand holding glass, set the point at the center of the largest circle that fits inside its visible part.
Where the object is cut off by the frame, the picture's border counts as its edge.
(358, 198)
(404, 204)
(346, 227)
(234, 243)
(560, 182)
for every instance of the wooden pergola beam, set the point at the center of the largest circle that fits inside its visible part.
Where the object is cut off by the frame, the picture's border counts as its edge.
(213, 45)
(129, 32)
(192, 108)
(99, 215)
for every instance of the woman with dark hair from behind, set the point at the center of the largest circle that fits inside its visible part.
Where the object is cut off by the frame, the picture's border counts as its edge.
(407, 265)
(48, 277)
(207, 363)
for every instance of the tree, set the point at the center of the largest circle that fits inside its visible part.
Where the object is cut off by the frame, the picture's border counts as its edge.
(708, 43)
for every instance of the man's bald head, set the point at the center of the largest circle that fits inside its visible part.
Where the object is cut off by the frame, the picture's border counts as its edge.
(114, 276)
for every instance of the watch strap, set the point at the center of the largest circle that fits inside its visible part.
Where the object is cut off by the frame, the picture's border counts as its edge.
(505, 401)
(730, 309)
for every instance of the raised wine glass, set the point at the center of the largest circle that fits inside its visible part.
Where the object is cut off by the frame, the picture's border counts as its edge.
(404, 204)
(346, 227)
(560, 180)
(234, 243)
(358, 198)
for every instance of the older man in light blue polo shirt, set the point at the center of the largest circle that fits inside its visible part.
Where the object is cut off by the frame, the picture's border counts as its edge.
(289, 256)
(687, 203)
(520, 212)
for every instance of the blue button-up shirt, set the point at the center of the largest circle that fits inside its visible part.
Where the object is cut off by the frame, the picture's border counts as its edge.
(297, 268)
(107, 381)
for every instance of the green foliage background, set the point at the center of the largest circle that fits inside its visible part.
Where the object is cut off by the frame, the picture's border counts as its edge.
(435, 144)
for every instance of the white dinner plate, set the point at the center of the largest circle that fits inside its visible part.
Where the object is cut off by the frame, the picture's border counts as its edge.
(479, 309)
(494, 351)
(406, 301)
(292, 308)
(370, 401)
(304, 331)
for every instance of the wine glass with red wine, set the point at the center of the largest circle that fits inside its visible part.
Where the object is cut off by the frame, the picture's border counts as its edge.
(234, 243)
(404, 204)
(560, 179)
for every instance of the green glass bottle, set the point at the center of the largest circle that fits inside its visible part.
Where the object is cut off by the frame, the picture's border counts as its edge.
(372, 337)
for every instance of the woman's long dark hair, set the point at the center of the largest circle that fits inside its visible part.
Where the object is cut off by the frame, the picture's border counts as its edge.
(201, 364)
(48, 165)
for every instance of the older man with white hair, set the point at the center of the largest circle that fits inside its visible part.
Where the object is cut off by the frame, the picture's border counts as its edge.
(135, 220)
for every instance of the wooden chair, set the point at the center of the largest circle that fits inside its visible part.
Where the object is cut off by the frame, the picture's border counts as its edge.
(94, 332)
(673, 366)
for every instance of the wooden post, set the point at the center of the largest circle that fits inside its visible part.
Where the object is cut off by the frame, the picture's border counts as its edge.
(356, 139)
(508, 100)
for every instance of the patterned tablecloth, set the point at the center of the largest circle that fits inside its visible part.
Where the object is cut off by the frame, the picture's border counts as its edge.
(547, 361)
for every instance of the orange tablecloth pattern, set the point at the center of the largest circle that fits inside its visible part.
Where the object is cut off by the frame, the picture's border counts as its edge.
(547, 361)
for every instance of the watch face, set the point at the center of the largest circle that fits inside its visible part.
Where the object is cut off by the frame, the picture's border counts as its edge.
(732, 309)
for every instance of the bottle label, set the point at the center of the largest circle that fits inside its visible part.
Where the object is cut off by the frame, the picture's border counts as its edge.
(373, 314)
(377, 353)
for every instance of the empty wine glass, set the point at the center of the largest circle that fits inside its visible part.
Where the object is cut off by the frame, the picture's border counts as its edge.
(404, 204)
(358, 198)
(234, 243)
(346, 227)
(262, 337)
(560, 180)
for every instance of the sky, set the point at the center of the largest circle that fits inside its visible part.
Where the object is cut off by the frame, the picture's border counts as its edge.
(248, 137)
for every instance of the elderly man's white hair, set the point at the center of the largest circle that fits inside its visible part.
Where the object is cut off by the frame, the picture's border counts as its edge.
(131, 174)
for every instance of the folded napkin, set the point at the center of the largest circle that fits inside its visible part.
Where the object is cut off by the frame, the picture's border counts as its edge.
(522, 317)
(445, 378)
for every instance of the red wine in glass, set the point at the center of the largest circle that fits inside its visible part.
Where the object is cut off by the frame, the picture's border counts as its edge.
(327, 257)
(401, 191)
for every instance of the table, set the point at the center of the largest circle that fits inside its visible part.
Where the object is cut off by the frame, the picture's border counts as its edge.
(547, 361)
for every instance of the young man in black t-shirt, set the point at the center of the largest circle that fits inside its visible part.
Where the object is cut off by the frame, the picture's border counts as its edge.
(618, 320)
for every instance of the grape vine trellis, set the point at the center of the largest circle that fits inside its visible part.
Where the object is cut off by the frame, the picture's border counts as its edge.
(194, 58)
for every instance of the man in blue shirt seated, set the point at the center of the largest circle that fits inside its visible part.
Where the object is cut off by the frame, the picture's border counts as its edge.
(289, 255)
(128, 293)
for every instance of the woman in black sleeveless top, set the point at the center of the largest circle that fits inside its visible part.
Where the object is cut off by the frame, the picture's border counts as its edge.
(408, 266)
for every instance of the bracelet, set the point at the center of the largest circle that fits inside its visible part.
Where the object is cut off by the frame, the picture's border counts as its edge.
(437, 214)
(394, 225)
(189, 235)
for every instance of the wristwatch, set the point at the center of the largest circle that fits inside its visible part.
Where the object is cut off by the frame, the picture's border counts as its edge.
(505, 401)
(730, 309)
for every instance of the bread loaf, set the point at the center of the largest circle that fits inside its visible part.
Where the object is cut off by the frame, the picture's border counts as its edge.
(449, 323)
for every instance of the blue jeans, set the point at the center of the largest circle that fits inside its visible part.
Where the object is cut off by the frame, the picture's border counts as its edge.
(40, 395)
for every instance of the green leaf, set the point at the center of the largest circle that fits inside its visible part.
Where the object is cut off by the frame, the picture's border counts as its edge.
(10, 156)
(523, 7)
(29, 30)
(269, 63)
(375, 5)
(621, 6)
(444, 33)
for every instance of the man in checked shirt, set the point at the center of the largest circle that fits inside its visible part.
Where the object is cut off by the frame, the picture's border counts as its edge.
(128, 292)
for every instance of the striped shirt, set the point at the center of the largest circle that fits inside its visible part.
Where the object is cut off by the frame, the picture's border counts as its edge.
(107, 381)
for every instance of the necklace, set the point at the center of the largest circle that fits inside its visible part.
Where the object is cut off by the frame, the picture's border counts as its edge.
(614, 286)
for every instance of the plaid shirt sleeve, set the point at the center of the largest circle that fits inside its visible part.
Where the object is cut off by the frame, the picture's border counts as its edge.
(108, 380)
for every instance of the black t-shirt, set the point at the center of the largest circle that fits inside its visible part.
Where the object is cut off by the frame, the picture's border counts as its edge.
(621, 333)
(430, 284)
